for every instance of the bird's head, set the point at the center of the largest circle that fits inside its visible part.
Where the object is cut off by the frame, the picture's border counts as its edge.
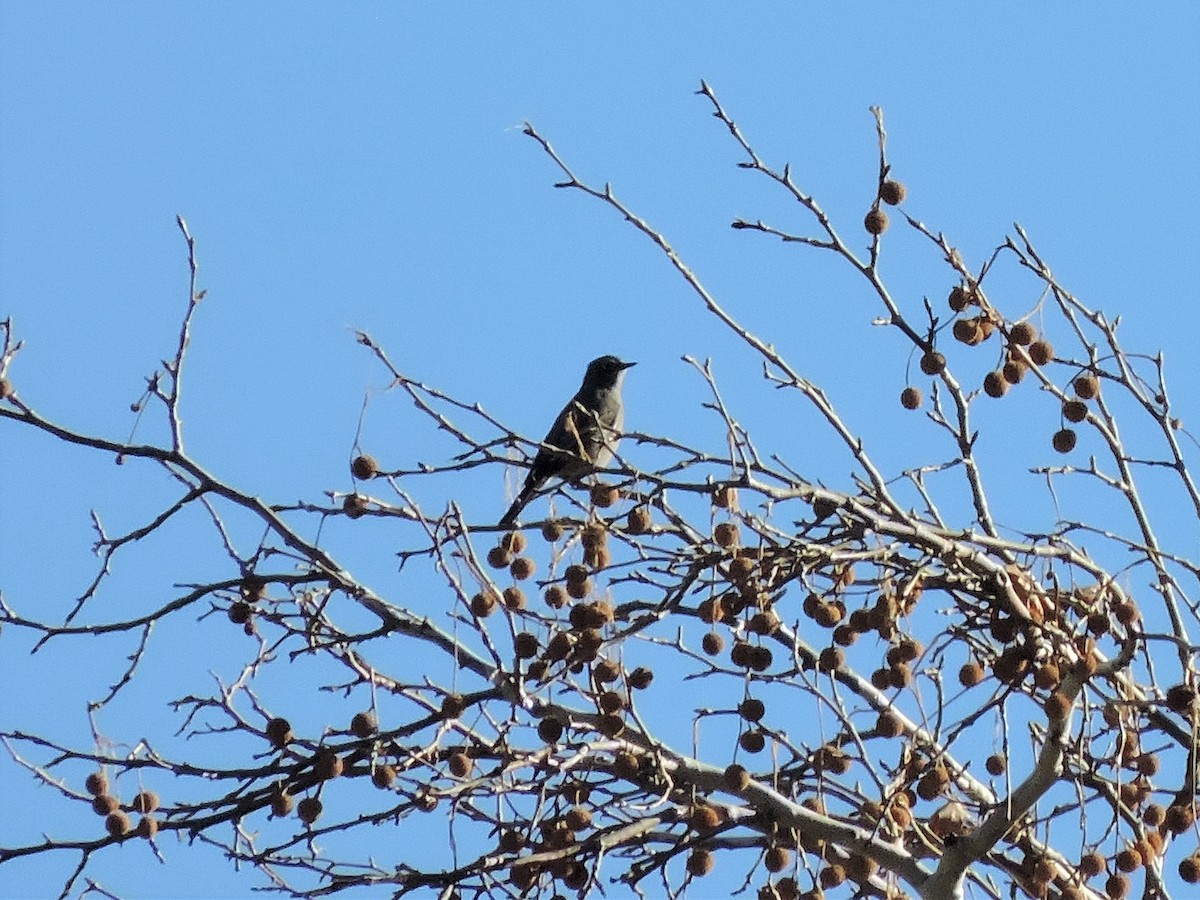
(605, 371)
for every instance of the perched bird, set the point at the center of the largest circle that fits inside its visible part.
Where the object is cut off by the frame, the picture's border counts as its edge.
(585, 433)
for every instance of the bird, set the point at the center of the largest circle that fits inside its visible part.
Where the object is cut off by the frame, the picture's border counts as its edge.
(583, 437)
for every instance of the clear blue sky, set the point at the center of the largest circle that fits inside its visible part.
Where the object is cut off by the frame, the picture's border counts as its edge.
(362, 166)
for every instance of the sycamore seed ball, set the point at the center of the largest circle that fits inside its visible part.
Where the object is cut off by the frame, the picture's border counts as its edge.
(876, 222)
(118, 824)
(910, 398)
(933, 363)
(1064, 440)
(364, 467)
(892, 192)
(309, 810)
(96, 784)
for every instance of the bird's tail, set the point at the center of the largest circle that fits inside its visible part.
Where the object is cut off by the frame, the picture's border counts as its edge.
(524, 497)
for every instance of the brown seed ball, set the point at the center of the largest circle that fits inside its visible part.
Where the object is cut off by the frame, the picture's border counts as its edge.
(994, 384)
(355, 506)
(309, 810)
(460, 763)
(147, 827)
(606, 670)
(363, 725)
(700, 863)
(1117, 886)
(735, 777)
(832, 876)
(118, 824)
(104, 804)
(1014, 371)
(552, 531)
(933, 363)
(764, 623)
(900, 676)
(514, 598)
(525, 645)
(522, 568)
(760, 659)
(578, 590)
(889, 725)
(752, 709)
(970, 674)
(726, 535)
(831, 659)
(452, 706)
(1129, 860)
(1086, 386)
(556, 596)
(611, 702)
(741, 568)
(384, 776)
(1189, 868)
(1047, 676)
(881, 679)
(605, 495)
(96, 784)
(550, 730)
(1179, 818)
(1092, 864)
(279, 732)
(1041, 352)
(829, 614)
(1074, 410)
(1022, 333)
(1153, 815)
(281, 805)
(639, 520)
(845, 635)
(239, 612)
(752, 741)
(483, 604)
(876, 222)
(910, 397)
(777, 859)
(1064, 440)
(6, 389)
(145, 802)
(892, 192)
(626, 765)
(967, 331)
(960, 298)
(995, 765)
(703, 818)
(578, 818)
(364, 467)
(327, 764)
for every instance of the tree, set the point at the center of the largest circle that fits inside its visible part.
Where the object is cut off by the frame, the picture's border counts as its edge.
(956, 701)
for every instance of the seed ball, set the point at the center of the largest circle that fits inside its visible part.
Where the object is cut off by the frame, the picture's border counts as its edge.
(761, 658)
(700, 863)
(1058, 706)
(460, 764)
(239, 612)
(279, 732)
(1022, 333)
(1014, 371)
(910, 397)
(5, 389)
(578, 818)
(1180, 699)
(1189, 868)
(483, 604)
(900, 676)
(967, 331)
(384, 776)
(514, 598)
(960, 298)
(777, 859)
(147, 827)
(1074, 410)
(876, 222)
(498, 557)
(281, 804)
(605, 495)
(1047, 676)
(933, 363)
(726, 534)
(611, 702)
(118, 824)
(552, 531)
(1041, 352)
(364, 467)
(764, 623)
(96, 784)
(832, 876)
(752, 741)
(752, 709)
(639, 520)
(704, 818)
(1129, 860)
(888, 724)
(556, 596)
(550, 730)
(735, 777)
(145, 802)
(725, 497)
(626, 765)
(1064, 440)
(309, 810)
(578, 590)
(327, 764)
(452, 706)
(363, 725)
(970, 674)
(892, 192)
(995, 765)
(1092, 864)
(104, 804)
(1086, 386)
(354, 506)
(845, 635)
(526, 645)
(639, 679)
(1179, 818)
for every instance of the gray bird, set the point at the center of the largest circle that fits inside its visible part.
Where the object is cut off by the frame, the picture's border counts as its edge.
(585, 433)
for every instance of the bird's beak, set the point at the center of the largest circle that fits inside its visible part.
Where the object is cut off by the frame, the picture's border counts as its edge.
(626, 365)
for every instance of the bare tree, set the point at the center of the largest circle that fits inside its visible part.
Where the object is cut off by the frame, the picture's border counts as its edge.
(1003, 709)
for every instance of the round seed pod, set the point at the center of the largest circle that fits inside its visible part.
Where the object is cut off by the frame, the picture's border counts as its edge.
(1074, 410)
(556, 596)
(363, 725)
(626, 765)
(104, 804)
(876, 222)
(1128, 860)
(1014, 371)
(960, 298)
(364, 467)
(145, 802)
(578, 818)
(309, 810)
(483, 604)
(147, 827)
(525, 645)
(933, 363)
(1064, 440)
(452, 706)
(1022, 333)
(700, 863)
(639, 679)
(279, 732)
(355, 506)
(117, 824)
(611, 702)
(96, 784)
(327, 764)
(777, 859)
(888, 724)
(752, 709)
(703, 818)
(1087, 386)
(1189, 868)
(995, 765)
(460, 764)
(604, 495)
(1041, 352)
(1092, 864)
(712, 643)
(910, 397)
(735, 777)
(282, 804)
(550, 730)
(383, 776)
(832, 876)
(892, 192)
(968, 331)
(764, 623)
(994, 384)
(514, 598)
(639, 520)
(552, 531)
(514, 542)
(752, 741)
(1117, 886)
(6, 389)
(726, 535)
(970, 674)
(1179, 818)
(522, 568)
(512, 841)
(239, 612)
(606, 670)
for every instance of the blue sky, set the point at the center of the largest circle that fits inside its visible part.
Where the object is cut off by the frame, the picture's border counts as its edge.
(362, 167)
